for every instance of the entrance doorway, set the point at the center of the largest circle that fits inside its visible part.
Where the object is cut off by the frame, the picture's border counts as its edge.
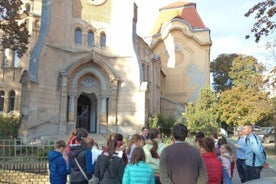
(86, 112)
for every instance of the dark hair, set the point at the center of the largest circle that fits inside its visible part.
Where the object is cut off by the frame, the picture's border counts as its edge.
(222, 141)
(138, 154)
(153, 133)
(207, 143)
(249, 124)
(143, 128)
(60, 144)
(215, 135)
(111, 147)
(134, 139)
(199, 135)
(118, 137)
(81, 134)
(180, 132)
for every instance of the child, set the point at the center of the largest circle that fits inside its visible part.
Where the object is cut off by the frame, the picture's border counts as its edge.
(226, 159)
(134, 142)
(137, 171)
(57, 164)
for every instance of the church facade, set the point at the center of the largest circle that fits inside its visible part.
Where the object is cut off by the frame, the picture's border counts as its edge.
(87, 67)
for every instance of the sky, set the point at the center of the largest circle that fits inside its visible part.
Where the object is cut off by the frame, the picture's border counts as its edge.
(225, 19)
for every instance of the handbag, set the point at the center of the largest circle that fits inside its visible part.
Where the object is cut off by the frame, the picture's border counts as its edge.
(93, 180)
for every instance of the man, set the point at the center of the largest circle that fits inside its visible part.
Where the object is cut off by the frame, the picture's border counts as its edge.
(181, 163)
(144, 133)
(254, 154)
(240, 154)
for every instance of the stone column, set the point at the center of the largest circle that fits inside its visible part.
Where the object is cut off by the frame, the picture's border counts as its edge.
(103, 113)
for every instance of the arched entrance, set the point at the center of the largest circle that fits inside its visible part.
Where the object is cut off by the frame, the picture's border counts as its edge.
(87, 112)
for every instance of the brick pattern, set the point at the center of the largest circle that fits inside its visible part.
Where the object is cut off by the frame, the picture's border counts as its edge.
(24, 173)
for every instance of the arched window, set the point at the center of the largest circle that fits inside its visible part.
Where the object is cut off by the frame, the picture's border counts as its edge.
(11, 101)
(2, 97)
(7, 58)
(28, 7)
(15, 59)
(90, 38)
(103, 40)
(78, 36)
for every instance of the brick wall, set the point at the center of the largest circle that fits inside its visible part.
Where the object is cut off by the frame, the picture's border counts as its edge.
(24, 173)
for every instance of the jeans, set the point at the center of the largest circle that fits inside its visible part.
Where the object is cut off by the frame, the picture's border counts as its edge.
(226, 178)
(253, 173)
(241, 167)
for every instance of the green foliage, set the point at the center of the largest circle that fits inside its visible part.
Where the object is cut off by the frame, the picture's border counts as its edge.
(220, 68)
(203, 116)
(163, 123)
(9, 125)
(246, 71)
(245, 102)
(13, 34)
(265, 23)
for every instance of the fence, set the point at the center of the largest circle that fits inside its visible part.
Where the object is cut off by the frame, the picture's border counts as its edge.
(24, 163)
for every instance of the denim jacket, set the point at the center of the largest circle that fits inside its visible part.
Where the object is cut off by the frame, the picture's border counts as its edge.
(254, 153)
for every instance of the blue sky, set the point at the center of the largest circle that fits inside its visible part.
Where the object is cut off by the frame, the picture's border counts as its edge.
(225, 19)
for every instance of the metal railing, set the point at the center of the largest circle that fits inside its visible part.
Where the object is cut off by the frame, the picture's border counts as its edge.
(16, 150)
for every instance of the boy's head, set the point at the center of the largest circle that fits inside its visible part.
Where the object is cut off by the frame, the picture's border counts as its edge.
(60, 146)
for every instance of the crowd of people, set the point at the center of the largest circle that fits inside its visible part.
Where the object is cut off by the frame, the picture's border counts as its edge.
(145, 159)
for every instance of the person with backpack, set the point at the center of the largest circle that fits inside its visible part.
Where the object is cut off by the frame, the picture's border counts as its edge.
(80, 159)
(109, 166)
(255, 156)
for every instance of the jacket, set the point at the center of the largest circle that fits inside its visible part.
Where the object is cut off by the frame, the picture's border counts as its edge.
(140, 173)
(181, 163)
(57, 167)
(109, 169)
(254, 152)
(213, 167)
(154, 162)
(84, 158)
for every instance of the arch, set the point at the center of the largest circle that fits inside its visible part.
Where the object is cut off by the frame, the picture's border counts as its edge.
(99, 75)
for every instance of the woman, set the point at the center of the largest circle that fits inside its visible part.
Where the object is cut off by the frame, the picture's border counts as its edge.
(134, 142)
(153, 149)
(213, 166)
(109, 167)
(80, 158)
(137, 171)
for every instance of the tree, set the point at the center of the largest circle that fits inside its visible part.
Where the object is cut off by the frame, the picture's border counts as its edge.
(203, 116)
(244, 102)
(246, 71)
(220, 68)
(265, 24)
(13, 35)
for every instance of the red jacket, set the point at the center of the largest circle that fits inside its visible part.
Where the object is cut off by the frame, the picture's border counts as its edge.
(213, 167)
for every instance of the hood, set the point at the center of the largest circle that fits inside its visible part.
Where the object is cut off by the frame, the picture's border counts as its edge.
(75, 149)
(52, 155)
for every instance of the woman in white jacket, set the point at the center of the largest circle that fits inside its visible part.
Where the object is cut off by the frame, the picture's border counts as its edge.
(153, 149)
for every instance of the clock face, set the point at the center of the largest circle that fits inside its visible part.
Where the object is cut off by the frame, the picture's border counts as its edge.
(96, 2)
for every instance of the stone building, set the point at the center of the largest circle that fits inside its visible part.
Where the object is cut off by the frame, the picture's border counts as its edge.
(87, 67)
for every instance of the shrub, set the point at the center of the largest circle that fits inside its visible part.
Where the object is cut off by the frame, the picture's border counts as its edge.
(9, 125)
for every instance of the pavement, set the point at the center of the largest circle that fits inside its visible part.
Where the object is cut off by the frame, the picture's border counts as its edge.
(268, 176)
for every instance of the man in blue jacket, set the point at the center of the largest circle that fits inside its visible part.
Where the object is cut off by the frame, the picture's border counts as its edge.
(255, 157)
